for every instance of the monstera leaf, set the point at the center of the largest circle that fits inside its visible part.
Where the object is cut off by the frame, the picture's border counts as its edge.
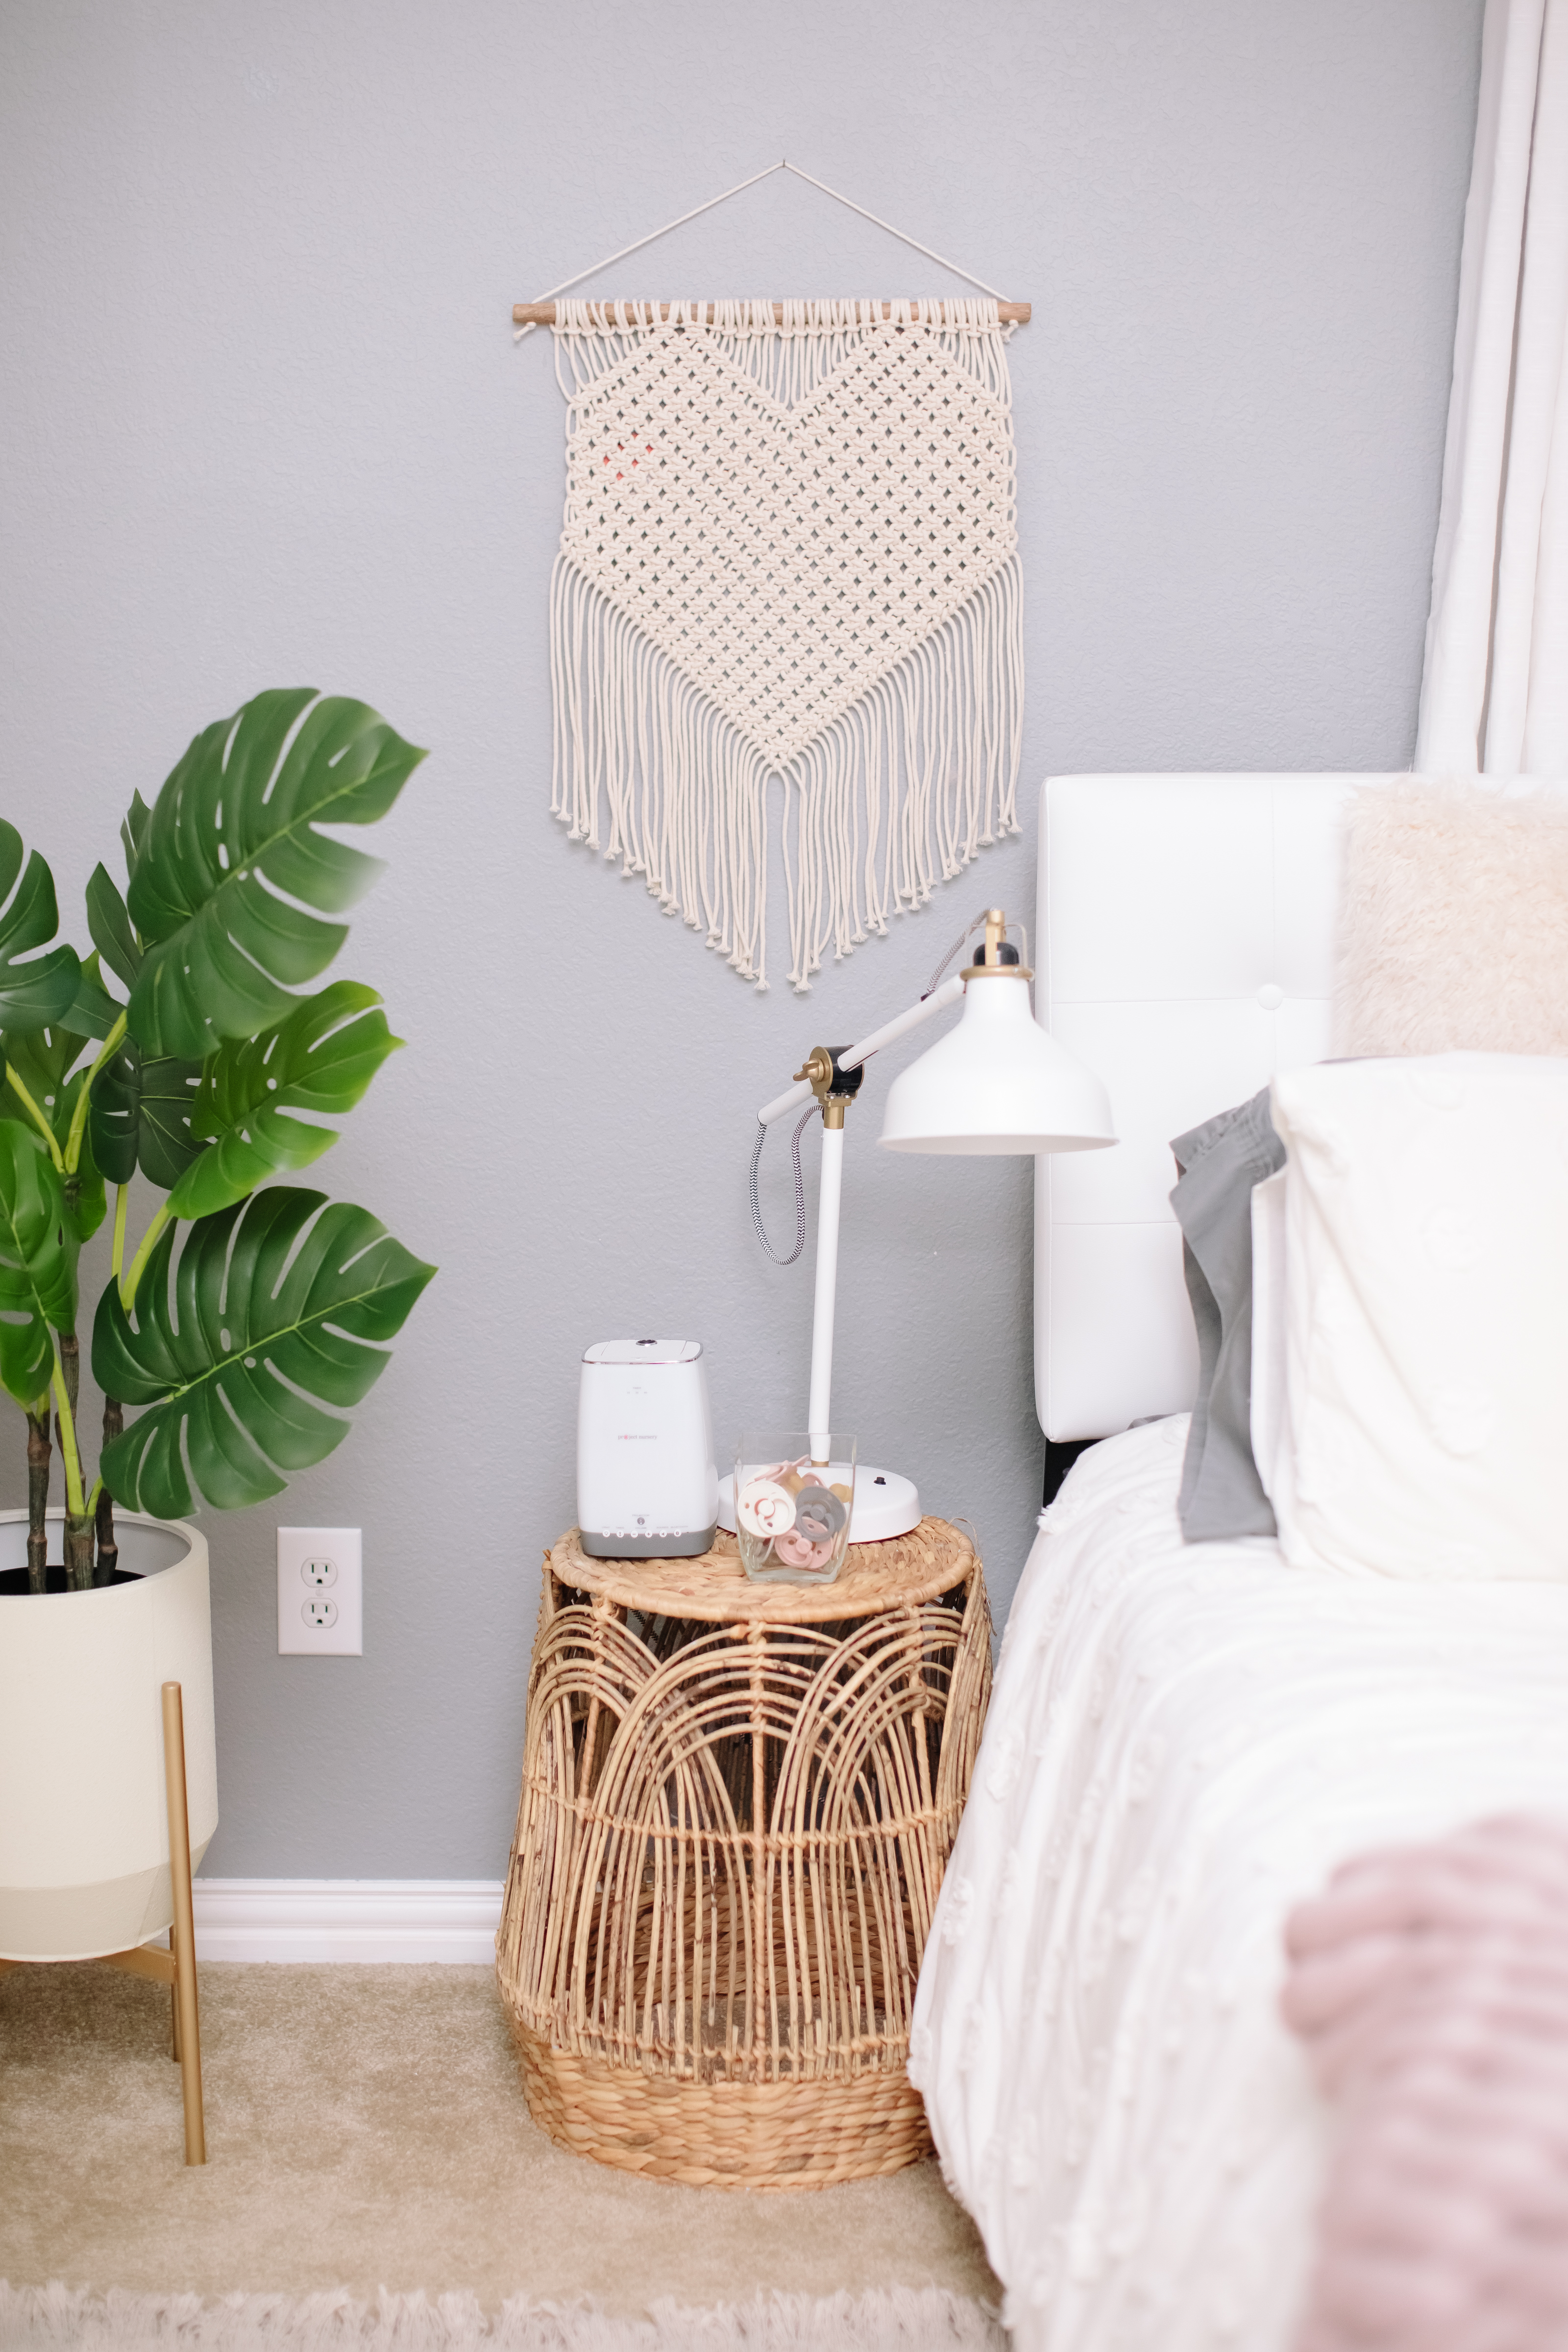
(34, 993)
(278, 1310)
(86, 1202)
(109, 919)
(50, 1066)
(139, 1116)
(320, 1059)
(42, 1060)
(236, 825)
(133, 831)
(37, 1263)
(92, 1012)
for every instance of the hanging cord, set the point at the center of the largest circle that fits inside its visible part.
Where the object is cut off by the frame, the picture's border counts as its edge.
(876, 222)
(969, 928)
(765, 173)
(652, 237)
(808, 1114)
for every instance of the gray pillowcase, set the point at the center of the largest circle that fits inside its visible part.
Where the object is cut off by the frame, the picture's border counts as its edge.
(1222, 1494)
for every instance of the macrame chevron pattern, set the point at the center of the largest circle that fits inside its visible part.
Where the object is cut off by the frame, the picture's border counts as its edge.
(790, 550)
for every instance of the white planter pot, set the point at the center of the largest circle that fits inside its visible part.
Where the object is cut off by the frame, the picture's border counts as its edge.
(84, 1826)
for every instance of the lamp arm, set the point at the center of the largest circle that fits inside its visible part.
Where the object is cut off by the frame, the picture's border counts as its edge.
(937, 1002)
(819, 1409)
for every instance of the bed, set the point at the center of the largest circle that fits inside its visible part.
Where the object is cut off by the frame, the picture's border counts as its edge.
(1184, 1739)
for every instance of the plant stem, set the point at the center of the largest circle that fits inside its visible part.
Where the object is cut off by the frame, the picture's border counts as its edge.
(149, 1242)
(64, 1430)
(79, 1552)
(36, 1115)
(79, 1116)
(70, 1364)
(122, 1202)
(39, 1452)
(79, 1520)
(108, 1547)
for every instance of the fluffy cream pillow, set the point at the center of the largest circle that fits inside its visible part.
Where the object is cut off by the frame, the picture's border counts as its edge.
(1453, 932)
(1424, 1429)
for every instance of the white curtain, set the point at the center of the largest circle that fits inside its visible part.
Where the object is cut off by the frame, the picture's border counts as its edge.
(1494, 691)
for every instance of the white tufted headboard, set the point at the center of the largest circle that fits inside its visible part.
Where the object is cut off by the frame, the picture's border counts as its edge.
(1184, 951)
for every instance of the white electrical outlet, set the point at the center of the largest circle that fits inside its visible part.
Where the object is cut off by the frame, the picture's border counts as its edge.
(320, 1606)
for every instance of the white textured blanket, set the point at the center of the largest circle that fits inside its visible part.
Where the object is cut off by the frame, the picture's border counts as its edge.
(1183, 1741)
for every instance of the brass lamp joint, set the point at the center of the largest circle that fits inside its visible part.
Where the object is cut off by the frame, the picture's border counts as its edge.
(997, 959)
(835, 1088)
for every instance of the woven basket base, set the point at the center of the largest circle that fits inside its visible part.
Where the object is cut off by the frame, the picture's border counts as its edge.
(750, 2135)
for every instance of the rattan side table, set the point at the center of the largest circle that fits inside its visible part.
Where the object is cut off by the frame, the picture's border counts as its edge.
(738, 1801)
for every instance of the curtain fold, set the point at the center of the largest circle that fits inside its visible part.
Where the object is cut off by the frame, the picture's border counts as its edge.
(1494, 689)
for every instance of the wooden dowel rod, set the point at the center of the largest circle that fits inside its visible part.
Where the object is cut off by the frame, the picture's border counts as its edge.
(542, 314)
(183, 1933)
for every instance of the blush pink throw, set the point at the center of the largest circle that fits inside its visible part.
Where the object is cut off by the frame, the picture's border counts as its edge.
(1431, 1989)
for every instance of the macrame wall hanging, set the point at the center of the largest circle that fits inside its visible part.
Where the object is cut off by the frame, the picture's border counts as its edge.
(790, 550)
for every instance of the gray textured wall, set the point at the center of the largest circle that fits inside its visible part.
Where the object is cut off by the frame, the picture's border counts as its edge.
(265, 423)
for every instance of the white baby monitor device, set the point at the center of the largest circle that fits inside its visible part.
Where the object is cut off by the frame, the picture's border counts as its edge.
(648, 1484)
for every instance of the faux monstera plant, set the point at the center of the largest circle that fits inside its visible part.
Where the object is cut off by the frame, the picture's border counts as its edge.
(251, 1315)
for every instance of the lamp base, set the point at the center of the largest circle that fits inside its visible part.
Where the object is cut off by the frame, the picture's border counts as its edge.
(885, 1505)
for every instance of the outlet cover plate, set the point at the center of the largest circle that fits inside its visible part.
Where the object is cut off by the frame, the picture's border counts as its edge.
(320, 1593)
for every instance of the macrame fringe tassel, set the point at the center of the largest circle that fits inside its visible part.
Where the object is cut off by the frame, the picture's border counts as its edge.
(897, 795)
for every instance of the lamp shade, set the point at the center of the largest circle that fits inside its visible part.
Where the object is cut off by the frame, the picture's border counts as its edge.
(997, 1082)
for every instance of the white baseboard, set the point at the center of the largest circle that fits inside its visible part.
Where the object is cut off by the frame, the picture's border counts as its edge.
(449, 1920)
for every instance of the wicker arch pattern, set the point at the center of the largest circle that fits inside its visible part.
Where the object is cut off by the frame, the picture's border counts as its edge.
(729, 1847)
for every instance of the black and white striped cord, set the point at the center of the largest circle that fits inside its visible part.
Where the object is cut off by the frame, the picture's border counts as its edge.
(808, 1114)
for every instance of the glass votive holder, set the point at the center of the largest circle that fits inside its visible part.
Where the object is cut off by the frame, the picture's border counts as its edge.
(793, 1499)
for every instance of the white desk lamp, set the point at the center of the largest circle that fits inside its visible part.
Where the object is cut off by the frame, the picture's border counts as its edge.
(997, 1083)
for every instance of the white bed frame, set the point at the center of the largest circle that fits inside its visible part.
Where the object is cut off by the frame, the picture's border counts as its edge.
(1184, 951)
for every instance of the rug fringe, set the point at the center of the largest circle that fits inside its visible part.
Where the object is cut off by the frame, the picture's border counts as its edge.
(58, 2318)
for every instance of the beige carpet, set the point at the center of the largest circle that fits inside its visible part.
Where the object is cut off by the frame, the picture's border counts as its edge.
(365, 2132)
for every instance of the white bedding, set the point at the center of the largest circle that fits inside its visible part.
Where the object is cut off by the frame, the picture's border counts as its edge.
(1184, 1740)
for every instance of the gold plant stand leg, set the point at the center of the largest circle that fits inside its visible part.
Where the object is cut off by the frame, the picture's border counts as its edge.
(183, 1933)
(176, 1967)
